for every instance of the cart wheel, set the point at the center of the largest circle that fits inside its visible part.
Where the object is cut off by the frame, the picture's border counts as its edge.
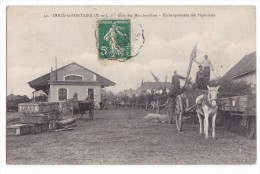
(91, 113)
(251, 127)
(178, 112)
(227, 122)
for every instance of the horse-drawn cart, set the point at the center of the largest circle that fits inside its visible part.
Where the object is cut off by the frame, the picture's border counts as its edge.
(240, 110)
(234, 110)
(81, 106)
(185, 105)
(208, 103)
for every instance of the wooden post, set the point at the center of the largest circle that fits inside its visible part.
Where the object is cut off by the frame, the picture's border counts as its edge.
(146, 102)
(56, 73)
(158, 105)
(33, 98)
(35, 95)
(193, 118)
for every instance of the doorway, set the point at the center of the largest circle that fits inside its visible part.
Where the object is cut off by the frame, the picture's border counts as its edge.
(91, 94)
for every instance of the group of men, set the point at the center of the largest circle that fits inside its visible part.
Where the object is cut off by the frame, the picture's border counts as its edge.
(202, 80)
(202, 76)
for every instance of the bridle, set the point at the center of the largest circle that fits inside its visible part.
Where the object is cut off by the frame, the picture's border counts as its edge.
(210, 100)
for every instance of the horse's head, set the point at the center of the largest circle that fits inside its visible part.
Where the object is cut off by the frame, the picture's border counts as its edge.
(213, 95)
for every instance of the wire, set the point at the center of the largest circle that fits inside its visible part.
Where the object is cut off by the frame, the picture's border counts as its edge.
(217, 76)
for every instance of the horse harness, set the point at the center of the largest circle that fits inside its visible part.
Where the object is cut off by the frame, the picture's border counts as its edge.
(205, 101)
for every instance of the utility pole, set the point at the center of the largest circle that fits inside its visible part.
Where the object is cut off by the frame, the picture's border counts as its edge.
(56, 73)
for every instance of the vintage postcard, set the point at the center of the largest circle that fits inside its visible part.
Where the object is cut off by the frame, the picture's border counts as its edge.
(131, 85)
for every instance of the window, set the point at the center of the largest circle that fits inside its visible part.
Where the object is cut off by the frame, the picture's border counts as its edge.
(73, 78)
(62, 94)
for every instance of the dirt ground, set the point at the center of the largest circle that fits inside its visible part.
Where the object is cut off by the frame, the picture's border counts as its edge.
(125, 137)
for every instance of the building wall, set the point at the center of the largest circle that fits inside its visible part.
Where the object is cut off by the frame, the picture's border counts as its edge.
(250, 79)
(81, 90)
(74, 69)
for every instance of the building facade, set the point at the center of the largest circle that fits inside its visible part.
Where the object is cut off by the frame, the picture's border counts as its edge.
(71, 81)
(244, 70)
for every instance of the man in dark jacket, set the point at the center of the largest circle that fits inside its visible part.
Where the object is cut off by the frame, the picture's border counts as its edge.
(200, 79)
(173, 94)
(207, 65)
(176, 83)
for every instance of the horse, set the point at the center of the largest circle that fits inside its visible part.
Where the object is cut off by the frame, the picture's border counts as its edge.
(207, 106)
(157, 106)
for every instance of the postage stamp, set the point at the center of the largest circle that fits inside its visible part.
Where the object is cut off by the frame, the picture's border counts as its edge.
(114, 39)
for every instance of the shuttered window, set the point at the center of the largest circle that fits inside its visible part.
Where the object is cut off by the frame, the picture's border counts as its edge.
(62, 94)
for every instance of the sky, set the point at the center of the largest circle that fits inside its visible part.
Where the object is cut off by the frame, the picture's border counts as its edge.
(33, 42)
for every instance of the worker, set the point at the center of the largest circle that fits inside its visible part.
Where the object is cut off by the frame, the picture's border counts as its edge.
(200, 79)
(175, 83)
(175, 90)
(75, 96)
(207, 65)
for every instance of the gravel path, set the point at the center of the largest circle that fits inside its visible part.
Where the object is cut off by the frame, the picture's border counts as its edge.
(125, 137)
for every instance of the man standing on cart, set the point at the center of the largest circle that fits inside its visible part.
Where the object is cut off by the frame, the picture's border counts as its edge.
(200, 79)
(207, 65)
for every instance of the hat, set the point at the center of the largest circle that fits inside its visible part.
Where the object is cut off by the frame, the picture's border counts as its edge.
(200, 66)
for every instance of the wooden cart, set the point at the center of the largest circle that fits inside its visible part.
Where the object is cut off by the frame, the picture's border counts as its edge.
(240, 109)
(234, 110)
(185, 105)
(81, 106)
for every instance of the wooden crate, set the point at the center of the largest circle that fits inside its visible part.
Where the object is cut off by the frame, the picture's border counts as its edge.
(53, 116)
(238, 103)
(65, 123)
(52, 125)
(34, 119)
(40, 107)
(25, 129)
(18, 129)
(38, 128)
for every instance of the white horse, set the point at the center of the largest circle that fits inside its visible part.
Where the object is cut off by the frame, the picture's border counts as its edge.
(207, 106)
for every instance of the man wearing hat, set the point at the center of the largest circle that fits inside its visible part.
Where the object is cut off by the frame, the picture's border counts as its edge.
(207, 65)
(175, 90)
(200, 79)
(176, 83)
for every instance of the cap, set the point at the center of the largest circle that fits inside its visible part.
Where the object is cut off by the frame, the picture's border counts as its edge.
(200, 66)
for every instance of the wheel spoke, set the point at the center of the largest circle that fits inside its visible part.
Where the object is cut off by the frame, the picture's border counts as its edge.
(178, 114)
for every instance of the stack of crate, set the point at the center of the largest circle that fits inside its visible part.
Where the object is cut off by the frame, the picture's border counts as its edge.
(35, 118)
(66, 123)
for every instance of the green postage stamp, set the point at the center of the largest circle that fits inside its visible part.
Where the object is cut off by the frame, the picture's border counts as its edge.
(114, 38)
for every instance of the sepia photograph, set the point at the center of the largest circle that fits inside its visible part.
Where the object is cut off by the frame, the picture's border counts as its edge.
(131, 85)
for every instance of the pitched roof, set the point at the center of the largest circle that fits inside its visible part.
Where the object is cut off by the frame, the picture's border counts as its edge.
(246, 65)
(154, 85)
(41, 83)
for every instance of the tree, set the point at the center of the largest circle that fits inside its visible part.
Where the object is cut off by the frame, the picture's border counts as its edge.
(12, 101)
(230, 87)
